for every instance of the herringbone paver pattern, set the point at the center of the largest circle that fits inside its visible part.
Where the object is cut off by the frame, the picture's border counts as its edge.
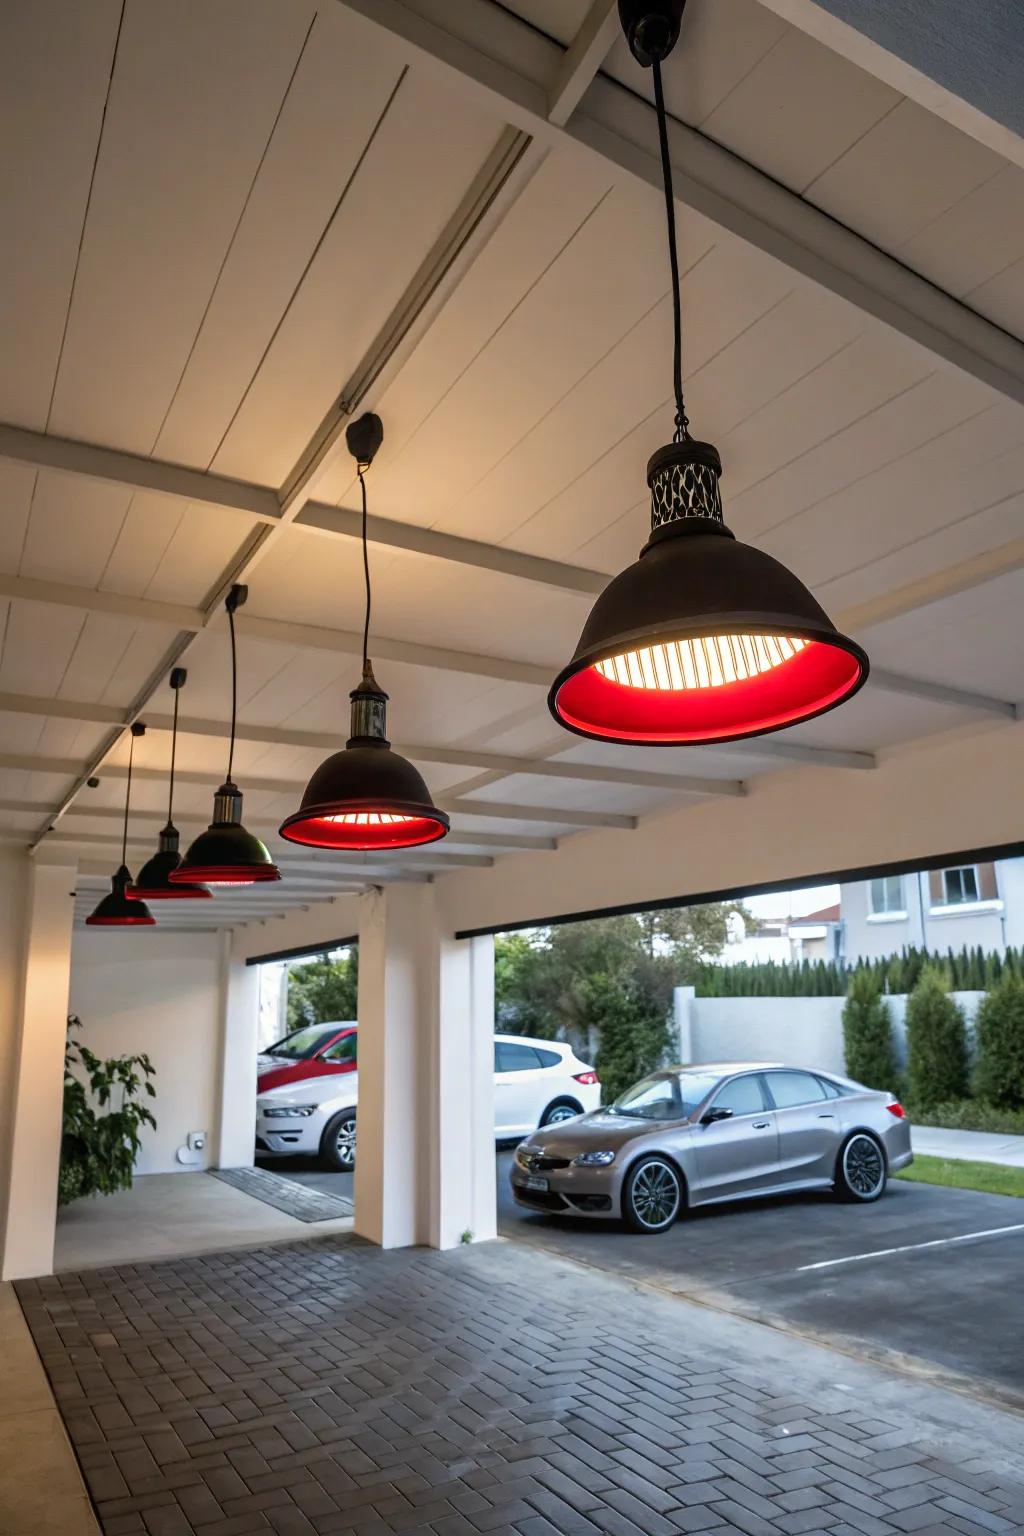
(325, 1387)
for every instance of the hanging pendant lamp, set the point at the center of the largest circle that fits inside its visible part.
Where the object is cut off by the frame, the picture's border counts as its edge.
(703, 639)
(117, 909)
(154, 882)
(366, 797)
(226, 854)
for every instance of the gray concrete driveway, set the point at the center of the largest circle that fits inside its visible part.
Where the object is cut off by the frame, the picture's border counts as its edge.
(949, 1296)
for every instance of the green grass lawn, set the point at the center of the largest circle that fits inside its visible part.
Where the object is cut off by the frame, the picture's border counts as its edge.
(955, 1173)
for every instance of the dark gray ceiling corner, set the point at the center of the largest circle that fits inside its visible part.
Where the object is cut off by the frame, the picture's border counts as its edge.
(974, 50)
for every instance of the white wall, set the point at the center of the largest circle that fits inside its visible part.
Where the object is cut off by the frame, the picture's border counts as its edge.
(160, 993)
(13, 889)
(797, 1031)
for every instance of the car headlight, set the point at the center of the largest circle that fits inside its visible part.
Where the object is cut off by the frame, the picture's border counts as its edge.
(289, 1111)
(593, 1159)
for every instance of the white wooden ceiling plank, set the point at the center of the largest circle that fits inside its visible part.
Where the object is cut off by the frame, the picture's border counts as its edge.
(192, 103)
(55, 62)
(928, 409)
(40, 641)
(901, 175)
(549, 211)
(340, 89)
(724, 295)
(406, 188)
(74, 526)
(1001, 298)
(203, 545)
(976, 239)
(577, 310)
(799, 109)
(150, 524)
(17, 483)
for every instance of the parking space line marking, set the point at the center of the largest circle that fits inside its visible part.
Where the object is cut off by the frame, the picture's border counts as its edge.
(884, 1253)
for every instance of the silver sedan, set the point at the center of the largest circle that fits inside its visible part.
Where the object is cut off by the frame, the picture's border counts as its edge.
(689, 1136)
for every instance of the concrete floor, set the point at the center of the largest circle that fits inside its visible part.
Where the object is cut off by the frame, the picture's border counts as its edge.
(166, 1214)
(41, 1489)
(955, 1309)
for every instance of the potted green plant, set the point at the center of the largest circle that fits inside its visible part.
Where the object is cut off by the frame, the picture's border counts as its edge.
(99, 1145)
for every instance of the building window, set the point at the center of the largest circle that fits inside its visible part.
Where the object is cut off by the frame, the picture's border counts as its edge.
(887, 894)
(960, 884)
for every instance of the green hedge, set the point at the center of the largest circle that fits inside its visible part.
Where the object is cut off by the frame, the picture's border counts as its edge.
(999, 1042)
(967, 1115)
(936, 1041)
(867, 1034)
(965, 970)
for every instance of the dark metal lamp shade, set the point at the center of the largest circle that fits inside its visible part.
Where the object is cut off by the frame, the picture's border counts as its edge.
(117, 909)
(154, 882)
(703, 639)
(366, 797)
(226, 854)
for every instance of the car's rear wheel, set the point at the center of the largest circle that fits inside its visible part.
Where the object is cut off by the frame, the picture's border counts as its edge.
(652, 1195)
(561, 1109)
(861, 1173)
(338, 1143)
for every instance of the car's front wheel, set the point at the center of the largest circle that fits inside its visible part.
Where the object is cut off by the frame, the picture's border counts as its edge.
(338, 1143)
(652, 1195)
(861, 1173)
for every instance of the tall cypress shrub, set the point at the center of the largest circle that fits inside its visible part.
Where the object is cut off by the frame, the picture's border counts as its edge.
(867, 1033)
(936, 1041)
(999, 1036)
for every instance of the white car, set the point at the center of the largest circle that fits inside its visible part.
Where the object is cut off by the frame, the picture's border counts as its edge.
(308, 1085)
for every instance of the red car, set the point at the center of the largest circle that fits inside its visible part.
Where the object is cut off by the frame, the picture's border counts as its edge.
(318, 1050)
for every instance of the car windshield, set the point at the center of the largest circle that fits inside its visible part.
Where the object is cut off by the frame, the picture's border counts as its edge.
(665, 1095)
(301, 1044)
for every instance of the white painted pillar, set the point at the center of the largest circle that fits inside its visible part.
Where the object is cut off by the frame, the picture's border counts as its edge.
(425, 1160)
(38, 1073)
(240, 1004)
(683, 1007)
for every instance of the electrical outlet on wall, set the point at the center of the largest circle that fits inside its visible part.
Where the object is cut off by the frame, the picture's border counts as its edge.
(196, 1141)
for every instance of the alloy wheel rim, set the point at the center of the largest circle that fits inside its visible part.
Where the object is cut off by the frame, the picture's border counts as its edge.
(655, 1194)
(863, 1166)
(563, 1112)
(345, 1141)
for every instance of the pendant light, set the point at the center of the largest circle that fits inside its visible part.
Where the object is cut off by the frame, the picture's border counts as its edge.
(116, 909)
(702, 639)
(154, 882)
(366, 797)
(226, 854)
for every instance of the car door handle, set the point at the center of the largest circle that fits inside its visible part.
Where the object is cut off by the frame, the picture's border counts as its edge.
(826, 1117)
(761, 1125)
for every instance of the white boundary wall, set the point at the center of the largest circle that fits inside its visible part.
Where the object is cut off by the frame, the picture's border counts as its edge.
(800, 1031)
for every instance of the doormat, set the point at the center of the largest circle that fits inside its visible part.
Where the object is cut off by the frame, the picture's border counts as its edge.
(285, 1194)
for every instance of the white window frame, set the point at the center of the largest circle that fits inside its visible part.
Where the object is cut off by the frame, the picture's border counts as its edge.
(887, 914)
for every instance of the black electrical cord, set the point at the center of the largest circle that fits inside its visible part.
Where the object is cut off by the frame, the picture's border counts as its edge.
(128, 797)
(234, 687)
(682, 420)
(361, 471)
(174, 749)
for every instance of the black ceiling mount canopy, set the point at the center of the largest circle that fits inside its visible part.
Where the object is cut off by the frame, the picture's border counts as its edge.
(154, 882)
(367, 796)
(117, 909)
(226, 854)
(702, 639)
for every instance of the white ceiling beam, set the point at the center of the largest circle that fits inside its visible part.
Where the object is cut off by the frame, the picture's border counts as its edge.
(501, 811)
(582, 60)
(345, 522)
(62, 595)
(62, 455)
(942, 693)
(340, 862)
(497, 762)
(505, 66)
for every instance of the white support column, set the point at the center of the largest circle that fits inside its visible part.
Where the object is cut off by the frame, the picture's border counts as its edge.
(683, 1003)
(238, 1043)
(38, 1073)
(425, 1164)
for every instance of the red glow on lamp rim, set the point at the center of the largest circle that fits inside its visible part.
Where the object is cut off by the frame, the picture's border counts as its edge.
(120, 922)
(818, 678)
(319, 830)
(226, 874)
(190, 892)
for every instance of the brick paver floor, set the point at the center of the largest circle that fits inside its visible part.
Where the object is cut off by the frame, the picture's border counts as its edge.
(328, 1387)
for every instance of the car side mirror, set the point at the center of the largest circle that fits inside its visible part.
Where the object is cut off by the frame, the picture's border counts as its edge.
(711, 1115)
